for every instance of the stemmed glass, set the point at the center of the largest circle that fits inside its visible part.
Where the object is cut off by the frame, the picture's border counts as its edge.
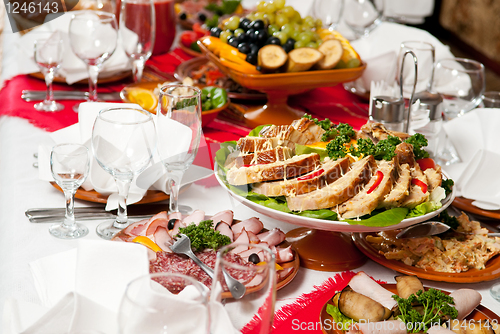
(178, 123)
(461, 82)
(137, 29)
(329, 11)
(69, 164)
(363, 16)
(426, 55)
(123, 142)
(93, 36)
(48, 55)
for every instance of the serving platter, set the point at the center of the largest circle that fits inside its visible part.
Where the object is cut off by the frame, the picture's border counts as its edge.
(328, 326)
(491, 272)
(465, 204)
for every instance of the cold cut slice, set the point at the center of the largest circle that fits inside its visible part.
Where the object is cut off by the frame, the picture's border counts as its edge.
(381, 327)
(363, 284)
(466, 300)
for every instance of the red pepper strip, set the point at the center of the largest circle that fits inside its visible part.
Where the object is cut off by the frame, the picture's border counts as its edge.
(419, 183)
(374, 186)
(312, 175)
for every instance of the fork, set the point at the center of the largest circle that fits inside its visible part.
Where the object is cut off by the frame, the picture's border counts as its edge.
(183, 246)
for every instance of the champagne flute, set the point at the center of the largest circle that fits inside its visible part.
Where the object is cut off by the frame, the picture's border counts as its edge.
(69, 164)
(48, 55)
(93, 37)
(178, 122)
(123, 142)
(329, 11)
(137, 29)
(363, 16)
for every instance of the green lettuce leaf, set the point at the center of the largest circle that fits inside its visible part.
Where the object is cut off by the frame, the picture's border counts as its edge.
(303, 149)
(341, 321)
(385, 218)
(432, 204)
(255, 132)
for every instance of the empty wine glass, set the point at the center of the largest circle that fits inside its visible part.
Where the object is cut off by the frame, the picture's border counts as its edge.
(178, 122)
(461, 82)
(329, 11)
(48, 55)
(123, 142)
(93, 36)
(426, 56)
(363, 16)
(137, 29)
(69, 164)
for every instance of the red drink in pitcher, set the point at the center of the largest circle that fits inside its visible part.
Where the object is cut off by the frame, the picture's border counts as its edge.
(165, 23)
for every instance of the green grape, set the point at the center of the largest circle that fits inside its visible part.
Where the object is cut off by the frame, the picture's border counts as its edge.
(309, 21)
(341, 64)
(305, 37)
(261, 5)
(258, 16)
(272, 28)
(299, 44)
(312, 45)
(282, 36)
(270, 7)
(281, 20)
(251, 16)
(279, 4)
(319, 41)
(238, 32)
(288, 11)
(354, 62)
(295, 34)
(296, 17)
(270, 17)
(233, 23)
(225, 35)
(319, 23)
(306, 27)
(315, 37)
(287, 28)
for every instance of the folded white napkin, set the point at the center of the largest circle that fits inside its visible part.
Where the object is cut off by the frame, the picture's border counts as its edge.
(380, 49)
(475, 137)
(99, 179)
(409, 10)
(73, 69)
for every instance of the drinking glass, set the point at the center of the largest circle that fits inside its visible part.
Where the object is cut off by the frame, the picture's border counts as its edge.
(491, 99)
(259, 279)
(329, 11)
(426, 56)
(93, 36)
(69, 164)
(48, 56)
(363, 16)
(137, 29)
(178, 123)
(164, 303)
(461, 82)
(123, 142)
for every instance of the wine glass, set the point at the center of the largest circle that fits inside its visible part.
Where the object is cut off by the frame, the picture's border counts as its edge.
(123, 142)
(137, 29)
(164, 303)
(178, 123)
(69, 164)
(93, 36)
(491, 99)
(426, 55)
(329, 11)
(48, 55)
(461, 82)
(363, 16)
(259, 278)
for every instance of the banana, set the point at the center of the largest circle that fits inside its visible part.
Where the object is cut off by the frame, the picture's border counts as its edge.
(332, 49)
(272, 57)
(302, 59)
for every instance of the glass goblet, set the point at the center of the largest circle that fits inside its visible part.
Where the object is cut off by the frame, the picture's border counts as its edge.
(137, 29)
(363, 16)
(164, 303)
(123, 142)
(93, 36)
(69, 164)
(48, 55)
(178, 123)
(329, 11)
(259, 280)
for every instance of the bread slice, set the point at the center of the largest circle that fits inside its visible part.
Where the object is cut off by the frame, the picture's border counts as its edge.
(251, 144)
(279, 153)
(363, 202)
(279, 170)
(337, 192)
(327, 173)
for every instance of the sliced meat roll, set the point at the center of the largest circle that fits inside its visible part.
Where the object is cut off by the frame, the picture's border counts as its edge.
(311, 130)
(336, 192)
(372, 194)
(434, 177)
(400, 190)
(255, 144)
(327, 173)
(279, 153)
(418, 185)
(286, 132)
(377, 132)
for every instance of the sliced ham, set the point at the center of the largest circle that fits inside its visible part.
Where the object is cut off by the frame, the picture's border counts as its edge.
(240, 242)
(163, 239)
(363, 284)
(196, 217)
(466, 300)
(226, 216)
(178, 224)
(157, 223)
(253, 225)
(439, 330)
(284, 254)
(381, 327)
(136, 227)
(253, 238)
(272, 237)
(246, 254)
(175, 215)
(224, 229)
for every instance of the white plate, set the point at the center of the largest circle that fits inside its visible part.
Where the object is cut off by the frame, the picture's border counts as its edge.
(331, 225)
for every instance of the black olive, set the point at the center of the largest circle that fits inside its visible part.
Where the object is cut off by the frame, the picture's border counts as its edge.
(259, 68)
(244, 48)
(261, 36)
(251, 35)
(254, 258)
(183, 16)
(171, 223)
(244, 23)
(287, 47)
(257, 25)
(254, 48)
(233, 41)
(252, 58)
(215, 32)
(273, 40)
(290, 41)
(202, 17)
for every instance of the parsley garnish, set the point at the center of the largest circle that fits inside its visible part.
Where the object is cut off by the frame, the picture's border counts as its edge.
(325, 124)
(435, 306)
(204, 236)
(445, 218)
(418, 141)
(447, 185)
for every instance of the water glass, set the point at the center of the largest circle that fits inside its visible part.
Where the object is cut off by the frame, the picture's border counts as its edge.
(48, 55)
(491, 99)
(363, 16)
(178, 123)
(164, 303)
(329, 11)
(137, 29)
(69, 164)
(426, 55)
(123, 142)
(258, 277)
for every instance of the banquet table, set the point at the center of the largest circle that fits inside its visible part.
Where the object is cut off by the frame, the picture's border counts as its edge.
(21, 242)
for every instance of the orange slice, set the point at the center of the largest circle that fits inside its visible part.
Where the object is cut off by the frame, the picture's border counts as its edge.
(148, 243)
(143, 97)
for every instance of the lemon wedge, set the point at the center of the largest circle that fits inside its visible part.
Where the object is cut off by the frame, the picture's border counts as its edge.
(148, 243)
(277, 266)
(143, 97)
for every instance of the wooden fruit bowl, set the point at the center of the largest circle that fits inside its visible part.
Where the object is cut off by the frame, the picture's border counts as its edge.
(279, 86)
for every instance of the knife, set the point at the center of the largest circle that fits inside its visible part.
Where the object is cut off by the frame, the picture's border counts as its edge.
(33, 95)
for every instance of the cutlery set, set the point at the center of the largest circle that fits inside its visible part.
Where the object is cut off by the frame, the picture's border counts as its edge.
(39, 95)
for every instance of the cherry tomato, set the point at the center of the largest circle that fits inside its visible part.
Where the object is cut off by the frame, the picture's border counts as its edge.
(199, 30)
(426, 163)
(188, 37)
